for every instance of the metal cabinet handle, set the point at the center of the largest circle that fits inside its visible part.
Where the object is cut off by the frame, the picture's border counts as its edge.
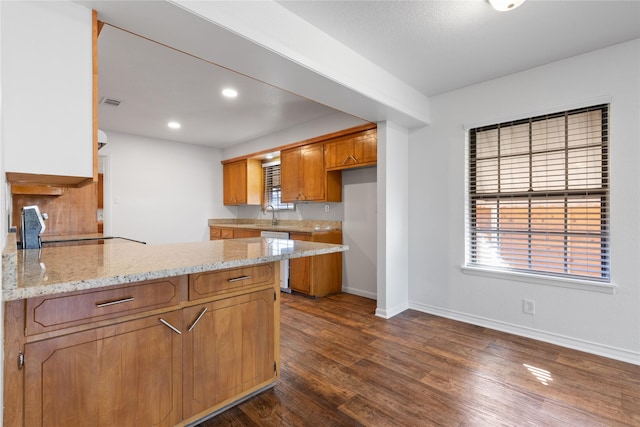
(114, 302)
(237, 279)
(354, 158)
(195, 322)
(170, 326)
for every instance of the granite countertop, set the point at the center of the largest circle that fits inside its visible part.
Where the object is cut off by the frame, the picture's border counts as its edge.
(47, 271)
(299, 226)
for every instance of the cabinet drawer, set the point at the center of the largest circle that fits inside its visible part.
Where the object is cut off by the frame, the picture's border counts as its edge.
(215, 233)
(226, 233)
(212, 283)
(50, 313)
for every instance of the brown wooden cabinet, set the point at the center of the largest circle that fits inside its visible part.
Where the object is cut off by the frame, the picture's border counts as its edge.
(242, 182)
(304, 178)
(216, 233)
(228, 349)
(319, 275)
(128, 374)
(352, 151)
(164, 353)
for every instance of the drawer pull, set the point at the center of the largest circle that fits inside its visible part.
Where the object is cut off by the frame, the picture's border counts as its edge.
(195, 322)
(238, 279)
(170, 326)
(114, 302)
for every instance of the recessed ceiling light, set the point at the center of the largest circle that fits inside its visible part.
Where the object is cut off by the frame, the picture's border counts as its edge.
(174, 125)
(505, 5)
(229, 93)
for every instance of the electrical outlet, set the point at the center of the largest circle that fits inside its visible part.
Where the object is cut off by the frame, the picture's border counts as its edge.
(326, 208)
(529, 306)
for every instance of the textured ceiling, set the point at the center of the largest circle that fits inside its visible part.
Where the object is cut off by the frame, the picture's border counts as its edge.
(438, 46)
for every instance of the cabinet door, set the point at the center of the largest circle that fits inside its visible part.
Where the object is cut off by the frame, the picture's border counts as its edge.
(126, 375)
(242, 182)
(229, 350)
(235, 182)
(365, 147)
(352, 151)
(337, 153)
(289, 175)
(300, 268)
(312, 172)
(215, 233)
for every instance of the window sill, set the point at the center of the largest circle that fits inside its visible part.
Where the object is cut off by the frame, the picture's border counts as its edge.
(583, 285)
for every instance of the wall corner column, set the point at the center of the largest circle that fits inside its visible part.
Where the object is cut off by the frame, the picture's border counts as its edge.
(393, 219)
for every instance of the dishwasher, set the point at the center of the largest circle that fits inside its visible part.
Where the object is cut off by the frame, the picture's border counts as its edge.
(279, 238)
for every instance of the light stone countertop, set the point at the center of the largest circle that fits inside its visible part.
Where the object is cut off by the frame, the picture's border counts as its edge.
(47, 271)
(299, 226)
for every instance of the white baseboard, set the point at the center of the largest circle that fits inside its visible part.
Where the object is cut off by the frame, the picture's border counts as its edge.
(561, 340)
(360, 293)
(392, 311)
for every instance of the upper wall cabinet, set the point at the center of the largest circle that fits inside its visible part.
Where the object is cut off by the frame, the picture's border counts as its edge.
(351, 151)
(242, 182)
(48, 92)
(304, 178)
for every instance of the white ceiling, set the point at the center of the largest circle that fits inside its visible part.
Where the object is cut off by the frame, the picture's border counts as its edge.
(156, 85)
(432, 46)
(437, 46)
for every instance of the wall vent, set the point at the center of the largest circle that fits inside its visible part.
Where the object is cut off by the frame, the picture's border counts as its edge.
(110, 101)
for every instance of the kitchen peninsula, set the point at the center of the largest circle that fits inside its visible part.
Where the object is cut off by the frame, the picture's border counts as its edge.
(122, 333)
(315, 277)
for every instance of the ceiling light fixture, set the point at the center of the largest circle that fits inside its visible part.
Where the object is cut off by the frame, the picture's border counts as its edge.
(505, 5)
(174, 125)
(229, 93)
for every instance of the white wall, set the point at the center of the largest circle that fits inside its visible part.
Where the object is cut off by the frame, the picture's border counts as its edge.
(359, 188)
(392, 221)
(597, 322)
(161, 191)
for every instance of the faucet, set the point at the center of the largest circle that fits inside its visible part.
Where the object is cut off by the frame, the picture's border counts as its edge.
(274, 221)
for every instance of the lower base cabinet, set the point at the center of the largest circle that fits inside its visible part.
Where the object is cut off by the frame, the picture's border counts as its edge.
(125, 375)
(167, 367)
(229, 350)
(319, 275)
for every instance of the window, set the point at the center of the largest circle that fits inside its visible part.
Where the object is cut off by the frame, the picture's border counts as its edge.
(538, 198)
(272, 194)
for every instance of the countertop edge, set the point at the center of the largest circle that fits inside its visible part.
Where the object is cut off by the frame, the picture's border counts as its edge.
(16, 293)
(292, 226)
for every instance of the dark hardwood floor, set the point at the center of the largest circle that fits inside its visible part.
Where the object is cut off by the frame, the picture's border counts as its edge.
(342, 366)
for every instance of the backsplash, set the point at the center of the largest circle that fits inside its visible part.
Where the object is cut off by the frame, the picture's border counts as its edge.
(303, 211)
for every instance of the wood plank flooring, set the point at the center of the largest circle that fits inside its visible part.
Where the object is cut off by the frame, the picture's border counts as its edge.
(342, 366)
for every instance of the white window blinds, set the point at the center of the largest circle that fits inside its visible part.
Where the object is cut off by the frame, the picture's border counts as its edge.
(272, 193)
(538, 195)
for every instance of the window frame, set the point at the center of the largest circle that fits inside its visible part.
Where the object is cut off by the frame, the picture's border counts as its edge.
(472, 264)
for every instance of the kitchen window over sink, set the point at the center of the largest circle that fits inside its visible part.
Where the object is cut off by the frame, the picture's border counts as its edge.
(538, 195)
(272, 193)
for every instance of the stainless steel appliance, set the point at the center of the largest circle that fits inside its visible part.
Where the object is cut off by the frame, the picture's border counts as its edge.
(284, 264)
(31, 226)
